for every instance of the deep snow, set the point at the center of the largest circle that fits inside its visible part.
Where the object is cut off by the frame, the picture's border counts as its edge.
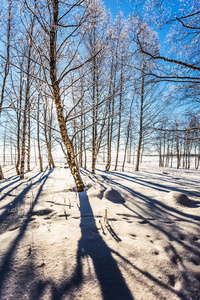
(125, 237)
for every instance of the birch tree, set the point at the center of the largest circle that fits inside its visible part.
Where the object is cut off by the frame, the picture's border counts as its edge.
(96, 40)
(149, 99)
(6, 63)
(38, 129)
(121, 34)
(26, 108)
(60, 22)
(48, 120)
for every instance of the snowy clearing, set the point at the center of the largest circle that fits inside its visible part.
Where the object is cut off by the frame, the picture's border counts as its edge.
(125, 237)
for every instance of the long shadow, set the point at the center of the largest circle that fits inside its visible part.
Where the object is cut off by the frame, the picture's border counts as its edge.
(9, 184)
(158, 205)
(100, 254)
(11, 178)
(87, 173)
(15, 187)
(84, 171)
(156, 210)
(153, 203)
(7, 259)
(108, 274)
(150, 276)
(170, 235)
(157, 186)
(19, 198)
(91, 244)
(90, 175)
(162, 177)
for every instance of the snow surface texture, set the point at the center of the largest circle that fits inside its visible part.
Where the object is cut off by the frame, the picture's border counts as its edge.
(127, 236)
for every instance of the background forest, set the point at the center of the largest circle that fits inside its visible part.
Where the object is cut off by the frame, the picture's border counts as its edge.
(77, 84)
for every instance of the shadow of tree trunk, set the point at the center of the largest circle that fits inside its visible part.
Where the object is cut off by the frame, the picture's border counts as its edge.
(112, 283)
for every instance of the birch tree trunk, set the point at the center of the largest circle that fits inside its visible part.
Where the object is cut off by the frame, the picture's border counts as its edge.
(38, 135)
(112, 110)
(29, 140)
(1, 173)
(27, 101)
(81, 139)
(19, 113)
(58, 103)
(81, 145)
(6, 69)
(177, 151)
(128, 135)
(50, 134)
(4, 146)
(120, 116)
(11, 150)
(126, 146)
(109, 117)
(7, 65)
(48, 141)
(85, 156)
(171, 154)
(94, 120)
(141, 122)
(160, 153)
(108, 138)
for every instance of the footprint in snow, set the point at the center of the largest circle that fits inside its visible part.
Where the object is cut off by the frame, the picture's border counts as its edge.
(143, 222)
(171, 280)
(195, 261)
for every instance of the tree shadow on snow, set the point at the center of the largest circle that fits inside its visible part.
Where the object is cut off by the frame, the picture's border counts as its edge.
(14, 205)
(168, 176)
(154, 205)
(16, 186)
(167, 221)
(91, 245)
(147, 182)
(7, 259)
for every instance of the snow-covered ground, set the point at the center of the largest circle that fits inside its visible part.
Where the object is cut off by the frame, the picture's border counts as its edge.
(127, 236)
